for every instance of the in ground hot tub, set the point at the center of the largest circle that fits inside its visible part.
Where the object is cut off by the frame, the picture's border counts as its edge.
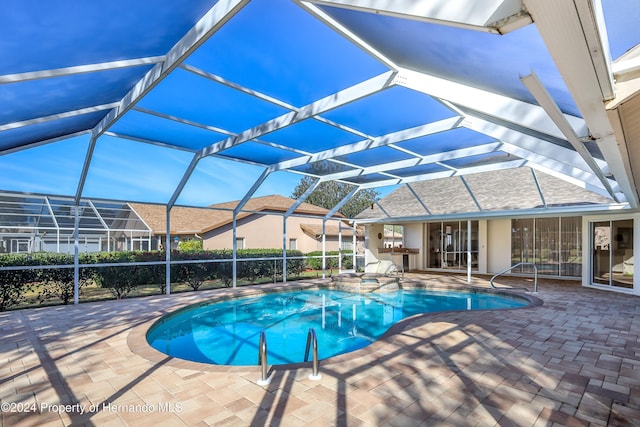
(366, 282)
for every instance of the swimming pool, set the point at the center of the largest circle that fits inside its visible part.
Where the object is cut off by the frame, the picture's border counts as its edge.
(227, 332)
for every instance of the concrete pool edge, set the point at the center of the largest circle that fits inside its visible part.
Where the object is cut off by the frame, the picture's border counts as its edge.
(138, 344)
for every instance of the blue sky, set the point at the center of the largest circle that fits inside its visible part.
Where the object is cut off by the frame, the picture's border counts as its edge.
(280, 51)
(146, 173)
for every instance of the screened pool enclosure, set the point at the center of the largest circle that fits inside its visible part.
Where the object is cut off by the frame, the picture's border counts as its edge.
(30, 223)
(204, 102)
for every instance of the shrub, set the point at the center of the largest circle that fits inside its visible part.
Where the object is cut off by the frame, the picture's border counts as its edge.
(258, 268)
(193, 273)
(191, 245)
(150, 274)
(15, 283)
(121, 280)
(58, 282)
(347, 261)
(316, 263)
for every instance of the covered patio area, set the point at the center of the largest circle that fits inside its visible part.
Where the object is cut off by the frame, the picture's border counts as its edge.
(572, 360)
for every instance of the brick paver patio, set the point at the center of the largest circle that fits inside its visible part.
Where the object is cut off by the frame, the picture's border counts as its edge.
(574, 360)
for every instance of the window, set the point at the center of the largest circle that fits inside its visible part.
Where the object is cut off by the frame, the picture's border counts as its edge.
(346, 246)
(19, 245)
(293, 244)
(240, 243)
(554, 245)
(522, 233)
(393, 236)
(547, 245)
(571, 246)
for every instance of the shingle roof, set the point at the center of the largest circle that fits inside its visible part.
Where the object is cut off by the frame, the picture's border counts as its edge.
(315, 230)
(183, 220)
(201, 220)
(502, 190)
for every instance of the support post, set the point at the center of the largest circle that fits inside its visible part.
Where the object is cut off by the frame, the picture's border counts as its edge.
(76, 256)
(468, 251)
(234, 267)
(284, 249)
(354, 247)
(167, 253)
(324, 247)
(339, 247)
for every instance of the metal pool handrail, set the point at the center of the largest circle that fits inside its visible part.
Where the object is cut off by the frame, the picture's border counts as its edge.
(312, 340)
(262, 359)
(535, 276)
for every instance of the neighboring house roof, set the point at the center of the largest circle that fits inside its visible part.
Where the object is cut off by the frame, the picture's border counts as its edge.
(501, 190)
(201, 220)
(315, 230)
(183, 220)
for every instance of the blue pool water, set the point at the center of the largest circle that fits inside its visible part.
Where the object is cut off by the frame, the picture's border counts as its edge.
(227, 332)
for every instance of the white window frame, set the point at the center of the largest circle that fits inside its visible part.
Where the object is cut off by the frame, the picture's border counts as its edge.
(240, 243)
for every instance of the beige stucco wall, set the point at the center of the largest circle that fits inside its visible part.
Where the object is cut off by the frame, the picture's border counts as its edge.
(372, 242)
(498, 245)
(482, 246)
(266, 231)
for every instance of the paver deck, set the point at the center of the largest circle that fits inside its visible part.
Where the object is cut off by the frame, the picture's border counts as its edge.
(574, 360)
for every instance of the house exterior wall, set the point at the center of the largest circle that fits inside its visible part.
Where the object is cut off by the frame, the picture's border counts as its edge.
(498, 245)
(483, 236)
(266, 231)
(550, 245)
(372, 243)
(494, 245)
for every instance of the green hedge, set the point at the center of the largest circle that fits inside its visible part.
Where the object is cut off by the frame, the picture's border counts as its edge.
(15, 283)
(331, 263)
(121, 280)
(55, 282)
(58, 282)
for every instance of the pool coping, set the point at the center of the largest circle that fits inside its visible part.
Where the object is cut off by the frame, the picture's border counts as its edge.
(138, 344)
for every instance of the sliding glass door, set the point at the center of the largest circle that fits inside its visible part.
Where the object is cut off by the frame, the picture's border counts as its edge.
(612, 244)
(553, 244)
(448, 244)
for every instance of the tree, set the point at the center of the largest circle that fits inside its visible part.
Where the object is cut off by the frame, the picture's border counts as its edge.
(329, 194)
